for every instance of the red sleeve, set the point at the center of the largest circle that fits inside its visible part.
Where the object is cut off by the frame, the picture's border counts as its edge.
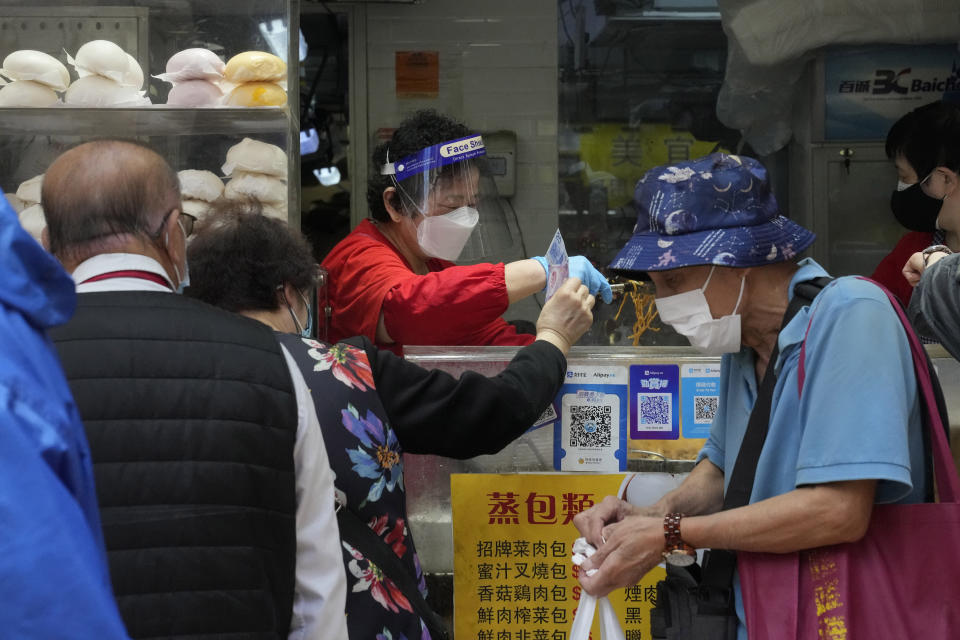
(889, 272)
(457, 306)
(453, 305)
(362, 269)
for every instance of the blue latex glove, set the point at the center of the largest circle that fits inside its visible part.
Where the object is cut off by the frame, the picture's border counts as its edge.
(580, 267)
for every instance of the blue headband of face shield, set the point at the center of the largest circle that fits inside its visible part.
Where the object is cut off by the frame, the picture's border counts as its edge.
(416, 177)
(435, 157)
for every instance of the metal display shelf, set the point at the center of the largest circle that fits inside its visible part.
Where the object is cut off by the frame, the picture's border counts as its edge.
(140, 121)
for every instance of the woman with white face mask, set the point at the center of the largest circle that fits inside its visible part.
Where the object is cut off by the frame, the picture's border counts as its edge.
(843, 429)
(394, 279)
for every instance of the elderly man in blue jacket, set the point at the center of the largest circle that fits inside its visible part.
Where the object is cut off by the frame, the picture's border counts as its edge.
(843, 427)
(54, 581)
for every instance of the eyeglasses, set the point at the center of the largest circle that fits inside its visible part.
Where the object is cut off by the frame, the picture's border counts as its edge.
(186, 222)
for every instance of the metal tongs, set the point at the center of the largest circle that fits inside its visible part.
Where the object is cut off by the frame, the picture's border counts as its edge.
(623, 288)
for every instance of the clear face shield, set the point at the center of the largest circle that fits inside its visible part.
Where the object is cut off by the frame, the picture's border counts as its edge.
(453, 199)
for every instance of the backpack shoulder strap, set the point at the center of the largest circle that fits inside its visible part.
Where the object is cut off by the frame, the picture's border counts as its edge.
(717, 576)
(809, 290)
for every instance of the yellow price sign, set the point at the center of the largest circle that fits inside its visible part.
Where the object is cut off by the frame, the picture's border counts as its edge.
(513, 577)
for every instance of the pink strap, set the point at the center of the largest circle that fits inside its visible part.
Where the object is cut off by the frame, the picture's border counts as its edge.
(947, 481)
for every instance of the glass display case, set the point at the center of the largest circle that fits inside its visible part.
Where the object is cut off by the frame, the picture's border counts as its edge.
(151, 31)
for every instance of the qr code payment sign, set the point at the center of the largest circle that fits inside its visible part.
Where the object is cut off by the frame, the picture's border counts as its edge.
(705, 409)
(591, 434)
(590, 425)
(655, 411)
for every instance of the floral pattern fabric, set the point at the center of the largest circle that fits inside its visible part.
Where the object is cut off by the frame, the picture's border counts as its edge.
(343, 362)
(368, 463)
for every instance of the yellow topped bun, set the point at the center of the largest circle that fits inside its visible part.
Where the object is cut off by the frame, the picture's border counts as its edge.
(257, 94)
(255, 66)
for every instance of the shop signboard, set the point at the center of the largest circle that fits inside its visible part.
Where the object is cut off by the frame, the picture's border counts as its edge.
(869, 88)
(513, 578)
(616, 156)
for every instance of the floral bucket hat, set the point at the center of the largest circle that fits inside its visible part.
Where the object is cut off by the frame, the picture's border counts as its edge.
(713, 210)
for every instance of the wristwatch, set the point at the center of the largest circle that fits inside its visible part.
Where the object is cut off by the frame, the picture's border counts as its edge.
(937, 248)
(676, 552)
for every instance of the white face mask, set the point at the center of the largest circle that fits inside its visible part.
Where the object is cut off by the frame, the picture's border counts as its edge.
(445, 236)
(689, 314)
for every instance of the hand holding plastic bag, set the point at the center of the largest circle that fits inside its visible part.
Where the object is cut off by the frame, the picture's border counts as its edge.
(609, 624)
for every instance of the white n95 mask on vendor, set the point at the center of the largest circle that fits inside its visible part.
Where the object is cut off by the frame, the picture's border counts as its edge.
(445, 236)
(689, 314)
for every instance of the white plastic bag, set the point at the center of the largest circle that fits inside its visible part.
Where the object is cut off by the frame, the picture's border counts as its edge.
(609, 624)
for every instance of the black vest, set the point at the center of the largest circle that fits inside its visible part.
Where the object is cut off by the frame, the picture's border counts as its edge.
(191, 417)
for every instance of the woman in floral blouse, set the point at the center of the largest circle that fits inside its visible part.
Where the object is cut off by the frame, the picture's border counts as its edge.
(372, 405)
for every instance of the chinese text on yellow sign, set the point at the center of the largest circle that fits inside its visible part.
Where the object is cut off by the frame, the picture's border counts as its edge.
(513, 579)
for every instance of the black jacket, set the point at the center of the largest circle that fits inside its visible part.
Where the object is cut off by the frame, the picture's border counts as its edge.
(191, 416)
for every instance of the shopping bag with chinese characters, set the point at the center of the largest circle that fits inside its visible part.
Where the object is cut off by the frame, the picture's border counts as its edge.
(898, 581)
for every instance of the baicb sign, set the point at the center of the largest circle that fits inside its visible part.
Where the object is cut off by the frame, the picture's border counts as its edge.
(868, 88)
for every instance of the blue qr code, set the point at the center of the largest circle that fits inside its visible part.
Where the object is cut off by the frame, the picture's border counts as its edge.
(656, 410)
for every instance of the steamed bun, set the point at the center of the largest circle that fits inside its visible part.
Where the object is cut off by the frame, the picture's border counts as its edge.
(37, 66)
(194, 93)
(103, 58)
(27, 93)
(257, 94)
(29, 191)
(33, 220)
(98, 91)
(266, 189)
(134, 75)
(255, 66)
(278, 211)
(193, 64)
(200, 185)
(253, 156)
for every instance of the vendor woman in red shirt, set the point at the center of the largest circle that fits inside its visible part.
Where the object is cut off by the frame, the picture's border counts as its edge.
(393, 278)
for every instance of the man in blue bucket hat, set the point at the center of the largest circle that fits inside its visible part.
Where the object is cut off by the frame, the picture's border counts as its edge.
(723, 260)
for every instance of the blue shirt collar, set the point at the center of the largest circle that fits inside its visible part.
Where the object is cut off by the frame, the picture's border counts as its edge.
(793, 333)
(796, 329)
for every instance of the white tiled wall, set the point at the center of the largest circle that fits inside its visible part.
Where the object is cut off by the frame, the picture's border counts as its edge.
(498, 70)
